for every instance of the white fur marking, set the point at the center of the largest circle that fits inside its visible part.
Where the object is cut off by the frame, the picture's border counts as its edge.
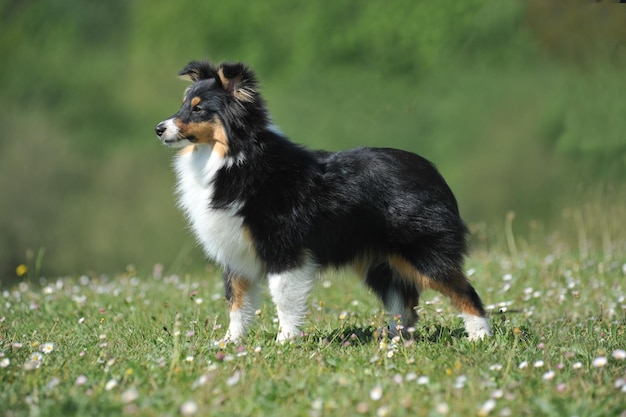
(219, 231)
(241, 318)
(290, 291)
(477, 327)
(394, 305)
(171, 136)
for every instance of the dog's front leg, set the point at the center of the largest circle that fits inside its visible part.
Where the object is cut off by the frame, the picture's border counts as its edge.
(242, 296)
(290, 290)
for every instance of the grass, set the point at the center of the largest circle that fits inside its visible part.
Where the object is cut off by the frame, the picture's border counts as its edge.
(143, 344)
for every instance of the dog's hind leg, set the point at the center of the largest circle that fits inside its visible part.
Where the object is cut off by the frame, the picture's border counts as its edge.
(290, 290)
(454, 284)
(242, 296)
(464, 297)
(399, 296)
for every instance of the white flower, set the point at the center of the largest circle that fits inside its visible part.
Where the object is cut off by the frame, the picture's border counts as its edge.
(110, 385)
(577, 365)
(487, 407)
(497, 394)
(523, 364)
(5, 362)
(599, 362)
(317, 404)
(382, 411)
(548, 376)
(47, 347)
(199, 382)
(188, 408)
(36, 359)
(460, 382)
(234, 379)
(423, 380)
(80, 380)
(53, 383)
(129, 395)
(376, 393)
(442, 408)
(495, 367)
(619, 354)
(538, 364)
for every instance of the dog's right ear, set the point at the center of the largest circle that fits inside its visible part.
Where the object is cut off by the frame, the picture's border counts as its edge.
(196, 71)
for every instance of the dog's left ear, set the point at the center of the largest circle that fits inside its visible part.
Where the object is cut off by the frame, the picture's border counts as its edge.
(238, 80)
(196, 71)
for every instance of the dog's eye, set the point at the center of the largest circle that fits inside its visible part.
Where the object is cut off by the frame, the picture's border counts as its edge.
(196, 109)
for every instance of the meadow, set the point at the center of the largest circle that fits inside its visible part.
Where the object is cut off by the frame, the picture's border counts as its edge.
(145, 342)
(520, 104)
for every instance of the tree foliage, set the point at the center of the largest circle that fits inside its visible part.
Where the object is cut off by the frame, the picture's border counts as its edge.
(492, 91)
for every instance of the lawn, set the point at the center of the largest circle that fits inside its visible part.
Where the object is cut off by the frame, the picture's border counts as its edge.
(144, 343)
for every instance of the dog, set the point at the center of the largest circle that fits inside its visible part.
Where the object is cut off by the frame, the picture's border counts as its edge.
(268, 209)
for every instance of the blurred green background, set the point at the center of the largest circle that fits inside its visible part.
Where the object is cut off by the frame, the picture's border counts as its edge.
(521, 104)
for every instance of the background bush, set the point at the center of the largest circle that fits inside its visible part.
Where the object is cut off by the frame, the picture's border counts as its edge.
(519, 103)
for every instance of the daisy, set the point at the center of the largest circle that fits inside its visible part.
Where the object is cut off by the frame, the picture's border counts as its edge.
(619, 354)
(599, 362)
(47, 347)
(487, 407)
(112, 383)
(36, 359)
(188, 408)
(423, 380)
(376, 393)
(4, 362)
(129, 395)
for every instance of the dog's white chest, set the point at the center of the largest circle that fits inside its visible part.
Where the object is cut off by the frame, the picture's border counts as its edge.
(220, 231)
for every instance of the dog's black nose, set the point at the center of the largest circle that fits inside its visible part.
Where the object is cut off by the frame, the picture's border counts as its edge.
(160, 129)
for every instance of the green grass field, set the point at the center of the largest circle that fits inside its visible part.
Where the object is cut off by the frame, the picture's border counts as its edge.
(143, 344)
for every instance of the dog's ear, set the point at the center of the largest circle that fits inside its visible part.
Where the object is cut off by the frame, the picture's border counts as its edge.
(196, 71)
(238, 80)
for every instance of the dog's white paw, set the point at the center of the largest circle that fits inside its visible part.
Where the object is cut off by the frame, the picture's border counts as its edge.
(477, 327)
(288, 336)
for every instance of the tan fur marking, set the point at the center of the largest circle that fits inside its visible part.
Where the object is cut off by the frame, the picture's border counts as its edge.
(226, 82)
(210, 132)
(186, 93)
(240, 288)
(232, 85)
(221, 140)
(454, 288)
(195, 101)
(247, 236)
(408, 272)
(361, 266)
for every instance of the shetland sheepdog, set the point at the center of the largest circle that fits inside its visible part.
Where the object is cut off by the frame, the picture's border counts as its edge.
(267, 209)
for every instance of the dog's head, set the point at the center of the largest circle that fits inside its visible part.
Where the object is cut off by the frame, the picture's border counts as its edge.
(220, 99)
